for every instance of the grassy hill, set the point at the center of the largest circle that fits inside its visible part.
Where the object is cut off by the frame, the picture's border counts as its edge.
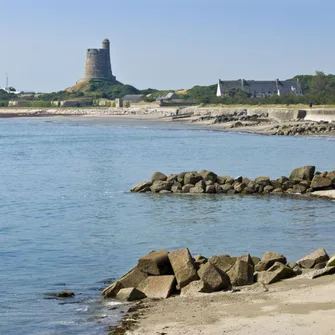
(96, 89)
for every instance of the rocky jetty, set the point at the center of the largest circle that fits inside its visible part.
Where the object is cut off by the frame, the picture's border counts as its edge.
(306, 128)
(302, 180)
(161, 273)
(234, 116)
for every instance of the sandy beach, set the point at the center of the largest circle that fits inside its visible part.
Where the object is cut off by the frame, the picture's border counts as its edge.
(294, 306)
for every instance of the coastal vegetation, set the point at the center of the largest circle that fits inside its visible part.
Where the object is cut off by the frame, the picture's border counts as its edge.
(5, 97)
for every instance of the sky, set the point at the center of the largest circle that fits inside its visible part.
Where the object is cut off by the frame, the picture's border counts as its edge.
(165, 44)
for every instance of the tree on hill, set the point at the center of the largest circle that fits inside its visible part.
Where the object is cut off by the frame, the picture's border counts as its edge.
(4, 95)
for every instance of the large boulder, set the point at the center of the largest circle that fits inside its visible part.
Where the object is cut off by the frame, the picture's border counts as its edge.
(193, 288)
(282, 180)
(130, 294)
(226, 187)
(186, 188)
(221, 180)
(319, 182)
(255, 260)
(241, 273)
(275, 273)
(180, 177)
(329, 270)
(144, 185)
(133, 277)
(331, 176)
(268, 259)
(299, 189)
(155, 263)
(160, 185)
(262, 181)
(239, 187)
(315, 257)
(230, 180)
(158, 176)
(238, 179)
(210, 189)
(304, 173)
(320, 265)
(199, 187)
(208, 175)
(275, 184)
(268, 189)
(287, 185)
(248, 190)
(214, 280)
(218, 188)
(246, 258)
(199, 260)
(183, 267)
(191, 178)
(172, 177)
(222, 262)
(112, 290)
(158, 287)
(175, 188)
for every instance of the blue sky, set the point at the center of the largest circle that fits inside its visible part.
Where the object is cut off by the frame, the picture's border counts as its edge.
(168, 44)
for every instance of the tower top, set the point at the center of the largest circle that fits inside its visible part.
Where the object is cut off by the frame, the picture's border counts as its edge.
(105, 44)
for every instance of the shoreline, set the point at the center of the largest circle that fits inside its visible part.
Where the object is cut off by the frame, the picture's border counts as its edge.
(294, 306)
(204, 118)
(184, 294)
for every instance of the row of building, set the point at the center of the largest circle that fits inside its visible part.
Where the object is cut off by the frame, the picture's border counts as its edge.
(126, 101)
(259, 88)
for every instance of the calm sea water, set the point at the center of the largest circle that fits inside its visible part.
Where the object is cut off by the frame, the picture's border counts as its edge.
(68, 222)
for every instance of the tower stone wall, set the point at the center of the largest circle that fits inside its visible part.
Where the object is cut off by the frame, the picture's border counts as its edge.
(98, 63)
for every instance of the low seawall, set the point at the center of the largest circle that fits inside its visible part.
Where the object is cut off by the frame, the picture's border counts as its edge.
(320, 115)
(277, 114)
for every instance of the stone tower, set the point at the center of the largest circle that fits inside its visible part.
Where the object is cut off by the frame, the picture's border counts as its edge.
(98, 63)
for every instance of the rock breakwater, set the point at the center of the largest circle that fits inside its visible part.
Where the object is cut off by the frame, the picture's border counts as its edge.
(304, 180)
(161, 273)
(307, 128)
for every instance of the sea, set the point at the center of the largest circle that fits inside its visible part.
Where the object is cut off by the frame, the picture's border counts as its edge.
(69, 222)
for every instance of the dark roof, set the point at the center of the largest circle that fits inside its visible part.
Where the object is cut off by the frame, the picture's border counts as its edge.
(229, 84)
(288, 86)
(260, 86)
(168, 96)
